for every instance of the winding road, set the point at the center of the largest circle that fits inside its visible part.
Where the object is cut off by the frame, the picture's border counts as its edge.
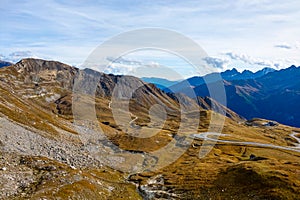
(131, 122)
(293, 135)
(206, 136)
(132, 125)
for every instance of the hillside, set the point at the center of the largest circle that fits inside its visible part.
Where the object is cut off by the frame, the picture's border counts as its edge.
(52, 147)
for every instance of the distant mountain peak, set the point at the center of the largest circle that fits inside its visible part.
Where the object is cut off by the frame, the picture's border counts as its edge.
(267, 70)
(231, 71)
(234, 70)
(247, 72)
(293, 67)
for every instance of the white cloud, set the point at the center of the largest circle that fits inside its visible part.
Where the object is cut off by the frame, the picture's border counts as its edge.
(16, 56)
(118, 68)
(289, 46)
(283, 46)
(242, 57)
(278, 63)
(152, 64)
(123, 65)
(122, 60)
(219, 63)
(142, 68)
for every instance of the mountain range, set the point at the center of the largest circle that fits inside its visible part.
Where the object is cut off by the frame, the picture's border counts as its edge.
(228, 75)
(268, 93)
(51, 146)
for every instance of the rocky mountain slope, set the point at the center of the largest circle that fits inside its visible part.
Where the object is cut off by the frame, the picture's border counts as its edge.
(48, 153)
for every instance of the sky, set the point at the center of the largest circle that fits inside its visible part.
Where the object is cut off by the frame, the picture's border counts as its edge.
(234, 33)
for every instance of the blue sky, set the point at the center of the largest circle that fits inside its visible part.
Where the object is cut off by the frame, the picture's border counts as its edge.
(235, 33)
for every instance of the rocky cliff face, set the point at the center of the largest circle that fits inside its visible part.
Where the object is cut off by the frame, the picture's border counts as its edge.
(41, 71)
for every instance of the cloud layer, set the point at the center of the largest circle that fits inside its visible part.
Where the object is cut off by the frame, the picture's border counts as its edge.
(16, 56)
(219, 63)
(282, 63)
(283, 46)
(266, 29)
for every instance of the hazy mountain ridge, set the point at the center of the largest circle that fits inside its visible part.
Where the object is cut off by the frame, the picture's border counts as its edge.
(273, 95)
(227, 75)
(5, 63)
(161, 83)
